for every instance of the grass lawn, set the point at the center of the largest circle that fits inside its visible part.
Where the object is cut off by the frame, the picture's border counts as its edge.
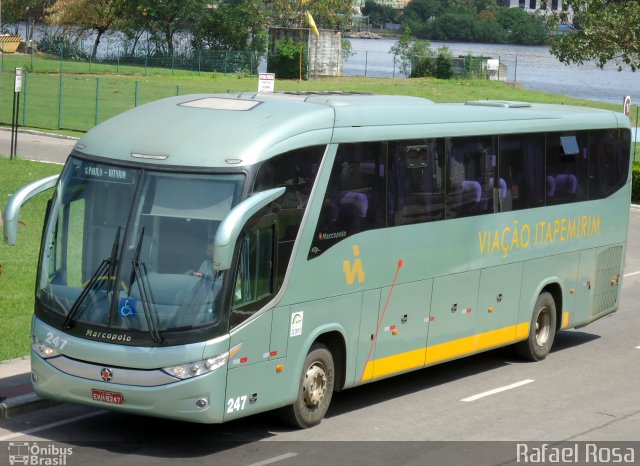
(17, 281)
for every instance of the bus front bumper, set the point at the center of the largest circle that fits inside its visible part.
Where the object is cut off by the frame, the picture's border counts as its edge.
(198, 399)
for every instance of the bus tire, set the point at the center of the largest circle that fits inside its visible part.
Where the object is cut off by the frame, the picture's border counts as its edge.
(314, 391)
(542, 330)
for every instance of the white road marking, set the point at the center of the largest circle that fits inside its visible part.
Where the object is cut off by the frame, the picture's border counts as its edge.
(4, 438)
(275, 459)
(637, 347)
(631, 274)
(498, 390)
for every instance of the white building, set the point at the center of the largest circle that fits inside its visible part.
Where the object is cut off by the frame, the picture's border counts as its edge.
(534, 5)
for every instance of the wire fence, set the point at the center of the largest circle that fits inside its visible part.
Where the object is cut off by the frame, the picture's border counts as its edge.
(78, 102)
(382, 64)
(73, 61)
(359, 63)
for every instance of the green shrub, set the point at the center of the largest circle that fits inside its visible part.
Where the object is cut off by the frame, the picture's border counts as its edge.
(285, 63)
(59, 44)
(635, 183)
(444, 64)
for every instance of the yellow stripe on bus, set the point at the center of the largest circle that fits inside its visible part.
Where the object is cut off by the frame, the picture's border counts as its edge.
(417, 358)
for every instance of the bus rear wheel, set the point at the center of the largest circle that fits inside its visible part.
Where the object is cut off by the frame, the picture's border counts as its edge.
(315, 389)
(542, 330)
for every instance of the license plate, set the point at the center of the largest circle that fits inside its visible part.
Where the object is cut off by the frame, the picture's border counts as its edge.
(107, 397)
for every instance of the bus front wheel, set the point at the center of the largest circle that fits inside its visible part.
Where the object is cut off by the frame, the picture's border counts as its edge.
(314, 391)
(542, 330)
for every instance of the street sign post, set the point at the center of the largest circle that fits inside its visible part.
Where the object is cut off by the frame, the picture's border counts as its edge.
(266, 82)
(16, 109)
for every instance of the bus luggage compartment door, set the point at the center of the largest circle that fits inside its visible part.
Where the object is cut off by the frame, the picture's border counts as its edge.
(402, 327)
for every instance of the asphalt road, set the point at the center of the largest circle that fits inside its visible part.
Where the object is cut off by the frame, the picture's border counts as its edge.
(37, 146)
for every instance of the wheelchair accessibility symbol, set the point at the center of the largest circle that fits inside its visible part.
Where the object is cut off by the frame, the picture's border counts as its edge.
(127, 307)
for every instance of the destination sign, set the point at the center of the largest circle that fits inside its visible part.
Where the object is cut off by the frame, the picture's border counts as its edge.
(88, 170)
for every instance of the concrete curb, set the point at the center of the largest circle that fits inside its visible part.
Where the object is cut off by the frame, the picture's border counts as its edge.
(41, 133)
(23, 404)
(16, 392)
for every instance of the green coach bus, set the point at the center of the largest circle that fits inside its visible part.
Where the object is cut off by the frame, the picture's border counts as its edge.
(207, 257)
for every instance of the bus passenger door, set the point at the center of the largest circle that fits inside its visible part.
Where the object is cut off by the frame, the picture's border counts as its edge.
(402, 327)
(498, 302)
(452, 325)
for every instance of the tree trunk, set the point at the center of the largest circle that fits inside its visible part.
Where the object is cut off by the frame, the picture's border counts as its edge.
(33, 25)
(169, 37)
(96, 43)
(135, 42)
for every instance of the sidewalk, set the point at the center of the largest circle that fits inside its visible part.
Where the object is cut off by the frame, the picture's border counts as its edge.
(35, 145)
(16, 393)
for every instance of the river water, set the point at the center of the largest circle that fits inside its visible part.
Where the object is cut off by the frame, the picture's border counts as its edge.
(532, 66)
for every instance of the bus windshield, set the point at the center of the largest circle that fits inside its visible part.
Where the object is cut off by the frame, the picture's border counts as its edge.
(129, 250)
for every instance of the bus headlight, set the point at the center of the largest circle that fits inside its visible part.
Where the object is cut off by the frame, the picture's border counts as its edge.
(45, 351)
(193, 369)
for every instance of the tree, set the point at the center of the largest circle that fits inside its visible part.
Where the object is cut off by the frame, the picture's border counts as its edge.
(32, 11)
(416, 56)
(235, 26)
(602, 30)
(328, 14)
(523, 27)
(419, 14)
(166, 17)
(86, 15)
(380, 14)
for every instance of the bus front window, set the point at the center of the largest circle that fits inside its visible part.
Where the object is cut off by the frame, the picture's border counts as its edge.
(130, 250)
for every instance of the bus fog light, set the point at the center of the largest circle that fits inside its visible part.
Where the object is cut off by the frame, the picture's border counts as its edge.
(202, 403)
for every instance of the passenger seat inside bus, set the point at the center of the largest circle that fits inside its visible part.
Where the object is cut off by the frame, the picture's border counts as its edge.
(562, 186)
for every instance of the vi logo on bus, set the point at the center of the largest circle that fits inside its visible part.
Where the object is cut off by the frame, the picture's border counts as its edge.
(351, 271)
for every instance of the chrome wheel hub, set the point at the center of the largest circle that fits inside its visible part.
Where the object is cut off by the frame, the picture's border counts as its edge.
(314, 385)
(543, 327)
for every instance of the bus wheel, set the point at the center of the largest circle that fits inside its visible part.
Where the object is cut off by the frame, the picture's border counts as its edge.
(542, 330)
(315, 389)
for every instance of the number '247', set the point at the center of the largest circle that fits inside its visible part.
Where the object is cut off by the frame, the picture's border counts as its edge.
(55, 341)
(236, 404)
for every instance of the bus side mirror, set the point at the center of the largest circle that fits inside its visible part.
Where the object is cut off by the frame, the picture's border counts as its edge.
(12, 211)
(230, 228)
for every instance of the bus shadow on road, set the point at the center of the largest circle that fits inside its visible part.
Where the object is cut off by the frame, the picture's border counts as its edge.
(441, 374)
(572, 338)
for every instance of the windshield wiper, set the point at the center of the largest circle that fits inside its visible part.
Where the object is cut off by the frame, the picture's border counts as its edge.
(108, 267)
(139, 271)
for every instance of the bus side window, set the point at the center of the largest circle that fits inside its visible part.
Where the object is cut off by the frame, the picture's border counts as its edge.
(567, 165)
(254, 276)
(521, 166)
(296, 171)
(472, 177)
(355, 199)
(416, 180)
(609, 162)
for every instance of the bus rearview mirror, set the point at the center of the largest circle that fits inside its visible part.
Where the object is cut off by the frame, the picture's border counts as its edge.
(230, 228)
(17, 200)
